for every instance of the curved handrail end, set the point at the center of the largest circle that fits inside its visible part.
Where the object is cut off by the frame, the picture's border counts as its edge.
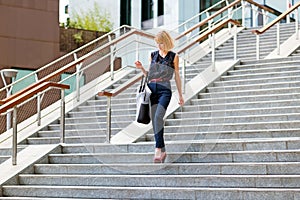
(105, 93)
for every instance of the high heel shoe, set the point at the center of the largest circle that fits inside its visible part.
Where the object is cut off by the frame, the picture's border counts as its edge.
(161, 158)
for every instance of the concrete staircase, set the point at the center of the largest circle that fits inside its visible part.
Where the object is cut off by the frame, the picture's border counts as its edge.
(239, 139)
(246, 42)
(87, 123)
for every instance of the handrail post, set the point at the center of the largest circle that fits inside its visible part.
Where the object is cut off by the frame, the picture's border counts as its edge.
(108, 134)
(38, 109)
(183, 73)
(213, 59)
(209, 27)
(265, 17)
(137, 48)
(297, 23)
(278, 39)
(14, 138)
(112, 58)
(78, 77)
(62, 117)
(257, 47)
(235, 42)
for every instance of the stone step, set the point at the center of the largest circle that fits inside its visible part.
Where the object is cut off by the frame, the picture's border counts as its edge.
(262, 75)
(205, 145)
(241, 103)
(41, 198)
(222, 112)
(4, 158)
(283, 63)
(151, 192)
(233, 119)
(95, 108)
(264, 70)
(219, 125)
(222, 134)
(97, 119)
(245, 99)
(179, 157)
(255, 81)
(68, 139)
(254, 92)
(189, 181)
(90, 125)
(83, 132)
(263, 168)
(129, 111)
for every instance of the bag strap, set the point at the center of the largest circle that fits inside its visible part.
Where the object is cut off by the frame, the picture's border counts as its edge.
(144, 81)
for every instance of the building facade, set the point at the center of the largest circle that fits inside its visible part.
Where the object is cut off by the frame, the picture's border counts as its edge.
(147, 14)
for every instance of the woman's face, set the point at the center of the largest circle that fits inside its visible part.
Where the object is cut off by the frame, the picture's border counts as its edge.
(160, 46)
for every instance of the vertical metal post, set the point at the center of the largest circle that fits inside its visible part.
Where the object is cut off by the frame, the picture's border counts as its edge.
(183, 73)
(213, 53)
(230, 14)
(108, 134)
(297, 23)
(38, 109)
(257, 47)
(288, 16)
(8, 115)
(62, 117)
(265, 17)
(112, 58)
(278, 39)
(14, 138)
(78, 77)
(235, 42)
(137, 56)
(209, 37)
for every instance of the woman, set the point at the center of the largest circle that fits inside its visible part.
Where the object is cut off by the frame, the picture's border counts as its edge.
(164, 63)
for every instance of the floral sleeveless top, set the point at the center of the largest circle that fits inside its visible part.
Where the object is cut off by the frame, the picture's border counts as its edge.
(161, 68)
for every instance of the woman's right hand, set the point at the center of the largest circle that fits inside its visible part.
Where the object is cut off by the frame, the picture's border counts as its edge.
(138, 65)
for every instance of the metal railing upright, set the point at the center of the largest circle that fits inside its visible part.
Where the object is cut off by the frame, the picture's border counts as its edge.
(276, 21)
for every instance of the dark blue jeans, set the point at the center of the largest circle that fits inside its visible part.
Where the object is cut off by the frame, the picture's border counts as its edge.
(159, 99)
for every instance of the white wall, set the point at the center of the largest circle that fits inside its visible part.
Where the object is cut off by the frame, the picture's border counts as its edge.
(62, 15)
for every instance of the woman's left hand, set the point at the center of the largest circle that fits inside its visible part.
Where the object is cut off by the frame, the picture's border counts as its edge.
(181, 100)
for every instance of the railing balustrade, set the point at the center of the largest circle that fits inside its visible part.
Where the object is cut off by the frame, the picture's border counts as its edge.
(261, 31)
(81, 60)
(20, 98)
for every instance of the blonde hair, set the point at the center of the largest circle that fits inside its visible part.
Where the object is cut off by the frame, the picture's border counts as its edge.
(166, 39)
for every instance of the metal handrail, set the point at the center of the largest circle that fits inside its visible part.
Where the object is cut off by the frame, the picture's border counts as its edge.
(208, 32)
(203, 22)
(261, 31)
(21, 97)
(107, 35)
(113, 93)
(78, 61)
(198, 15)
